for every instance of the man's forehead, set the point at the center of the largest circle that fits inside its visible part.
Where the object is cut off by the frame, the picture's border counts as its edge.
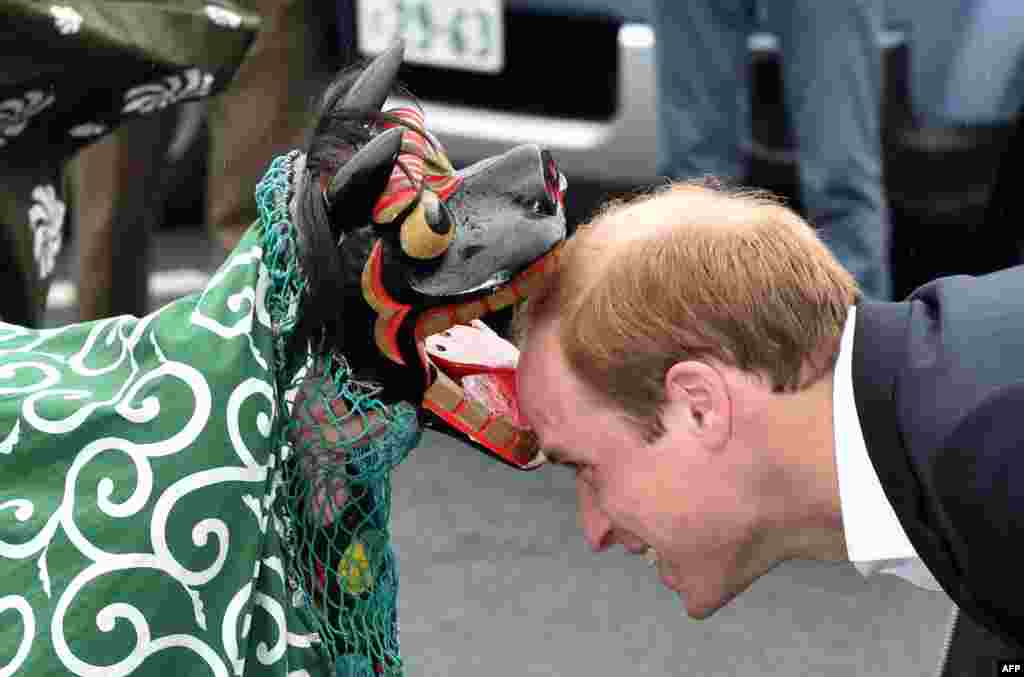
(636, 221)
(550, 405)
(662, 212)
(544, 366)
(596, 246)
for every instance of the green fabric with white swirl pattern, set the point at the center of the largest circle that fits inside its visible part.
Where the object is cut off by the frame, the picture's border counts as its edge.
(137, 483)
(186, 492)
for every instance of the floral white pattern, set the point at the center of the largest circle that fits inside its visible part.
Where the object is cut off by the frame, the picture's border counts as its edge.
(87, 129)
(223, 17)
(16, 113)
(191, 84)
(46, 218)
(67, 19)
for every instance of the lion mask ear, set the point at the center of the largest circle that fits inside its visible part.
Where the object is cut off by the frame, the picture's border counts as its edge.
(358, 184)
(371, 89)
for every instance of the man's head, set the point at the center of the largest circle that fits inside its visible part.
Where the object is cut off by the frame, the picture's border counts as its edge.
(684, 332)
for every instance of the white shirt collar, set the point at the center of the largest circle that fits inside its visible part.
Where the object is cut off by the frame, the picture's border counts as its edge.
(875, 540)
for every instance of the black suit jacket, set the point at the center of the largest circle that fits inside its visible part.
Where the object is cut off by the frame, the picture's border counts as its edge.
(939, 385)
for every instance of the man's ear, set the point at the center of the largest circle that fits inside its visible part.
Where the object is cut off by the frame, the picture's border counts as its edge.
(698, 393)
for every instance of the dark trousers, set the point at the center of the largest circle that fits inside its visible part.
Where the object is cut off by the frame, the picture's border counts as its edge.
(974, 650)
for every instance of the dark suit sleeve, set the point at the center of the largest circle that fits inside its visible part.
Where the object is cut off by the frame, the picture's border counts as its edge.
(939, 385)
(979, 477)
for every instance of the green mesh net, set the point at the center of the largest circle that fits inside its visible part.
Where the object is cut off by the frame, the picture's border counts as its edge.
(338, 444)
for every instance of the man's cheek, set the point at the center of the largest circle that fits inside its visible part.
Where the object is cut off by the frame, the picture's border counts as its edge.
(585, 503)
(585, 494)
(625, 512)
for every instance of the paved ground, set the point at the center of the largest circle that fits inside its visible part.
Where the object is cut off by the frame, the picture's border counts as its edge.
(498, 582)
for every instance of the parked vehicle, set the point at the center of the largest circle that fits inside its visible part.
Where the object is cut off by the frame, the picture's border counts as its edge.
(577, 78)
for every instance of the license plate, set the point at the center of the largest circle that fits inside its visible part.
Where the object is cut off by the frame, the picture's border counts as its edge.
(462, 34)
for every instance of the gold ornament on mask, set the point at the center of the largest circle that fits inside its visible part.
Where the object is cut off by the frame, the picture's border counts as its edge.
(427, 232)
(414, 198)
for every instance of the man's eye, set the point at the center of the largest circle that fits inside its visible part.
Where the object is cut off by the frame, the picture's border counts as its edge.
(575, 468)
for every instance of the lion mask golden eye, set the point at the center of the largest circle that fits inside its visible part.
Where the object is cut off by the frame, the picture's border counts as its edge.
(427, 231)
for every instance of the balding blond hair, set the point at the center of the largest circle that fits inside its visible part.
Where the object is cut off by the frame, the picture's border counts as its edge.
(692, 271)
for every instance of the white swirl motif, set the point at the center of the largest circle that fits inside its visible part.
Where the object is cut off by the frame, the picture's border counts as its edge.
(223, 17)
(87, 130)
(51, 377)
(105, 563)
(40, 541)
(144, 484)
(67, 20)
(23, 511)
(44, 573)
(12, 334)
(146, 411)
(106, 619)
(13, 331)
(23, 508)
(115, 329)
(230, 634)
(15, 114)
(265, 654)
(254, 298)
(157, 435)
(264, 423)
(190, 84)
(203, 529)
(8, 443)
(46, 218)
(28, 620)
(241, 607)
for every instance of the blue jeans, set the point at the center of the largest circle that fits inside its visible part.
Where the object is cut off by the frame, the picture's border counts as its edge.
(832, 78)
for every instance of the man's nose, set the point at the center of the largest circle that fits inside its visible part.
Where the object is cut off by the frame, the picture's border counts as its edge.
(597, 528)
